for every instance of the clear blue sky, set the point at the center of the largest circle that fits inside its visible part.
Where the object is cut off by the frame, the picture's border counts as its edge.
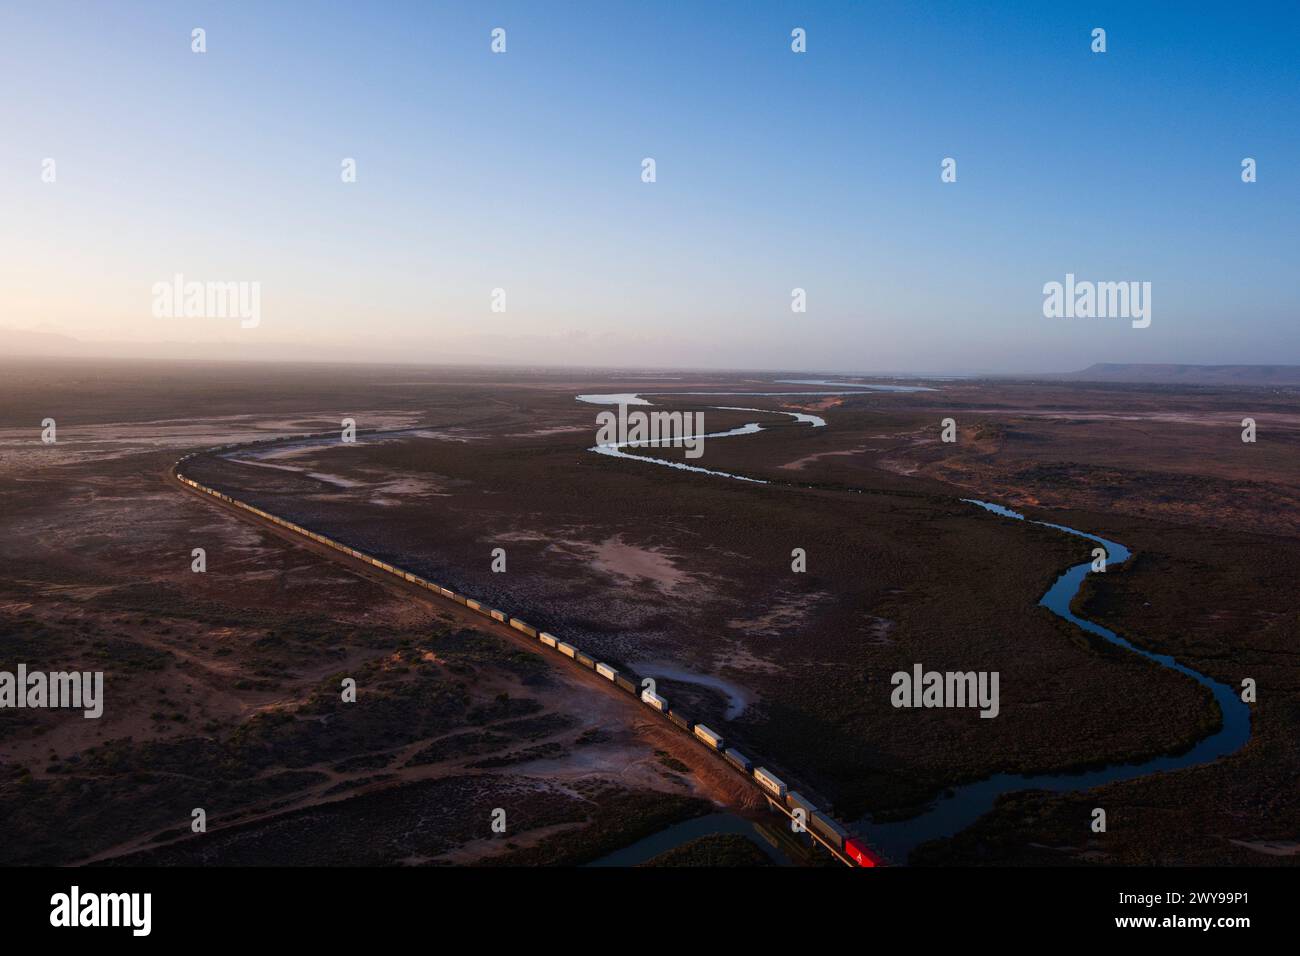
(775, 170)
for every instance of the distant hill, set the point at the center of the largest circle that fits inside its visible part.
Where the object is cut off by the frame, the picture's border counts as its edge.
(1189, 374)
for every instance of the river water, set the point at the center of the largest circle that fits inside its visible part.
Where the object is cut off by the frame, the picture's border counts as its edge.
(963, 805)
(680, 833)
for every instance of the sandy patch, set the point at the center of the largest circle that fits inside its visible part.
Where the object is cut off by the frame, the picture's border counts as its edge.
(798, 463)
(788, 612)
(617, 558)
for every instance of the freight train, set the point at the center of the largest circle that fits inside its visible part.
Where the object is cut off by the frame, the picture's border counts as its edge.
(772, 786)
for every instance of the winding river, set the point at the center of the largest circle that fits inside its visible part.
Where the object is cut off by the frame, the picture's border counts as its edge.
(963, 805)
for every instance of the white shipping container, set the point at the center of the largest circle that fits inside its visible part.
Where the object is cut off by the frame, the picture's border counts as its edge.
(605, 671)
(708, 736)
(769, 781)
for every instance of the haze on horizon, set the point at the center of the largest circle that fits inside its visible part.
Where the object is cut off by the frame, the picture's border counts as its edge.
(522, 171)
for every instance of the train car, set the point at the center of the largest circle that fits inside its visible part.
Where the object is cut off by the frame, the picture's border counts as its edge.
(655, 701)
(586, 661)
(739, 760)
(797, 801)
(710, 737)
(519, 625)
(860, 853)
(460, 599)
(409, 576)
(829, 829)
(680, 719)
(770, 782)
(496, 615)
(607, 672)
(625, 684)
(473, 605)
(548, 639)
(447, 592)
(568, 650)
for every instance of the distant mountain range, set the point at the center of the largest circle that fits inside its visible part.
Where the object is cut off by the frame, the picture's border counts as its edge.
(1188, 374)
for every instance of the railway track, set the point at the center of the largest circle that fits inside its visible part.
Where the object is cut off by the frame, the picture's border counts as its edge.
(805, 818)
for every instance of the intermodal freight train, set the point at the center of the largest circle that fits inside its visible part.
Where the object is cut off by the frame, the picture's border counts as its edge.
(772, 785)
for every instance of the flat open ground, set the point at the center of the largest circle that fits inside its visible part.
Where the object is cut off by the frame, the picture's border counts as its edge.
(222, 687)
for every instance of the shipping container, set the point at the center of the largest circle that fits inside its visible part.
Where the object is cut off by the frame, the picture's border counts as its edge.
(473, 605)
(584, 660)
(739, 760)
(769, 782)
(711, 738)
(655, 701)
(860, 854)
(568, 650)
(607, 672)
(625, 684)
(548, 639)
(519, 625)
(829, 829)
(797, 801)
(681, 720)
(496, 615)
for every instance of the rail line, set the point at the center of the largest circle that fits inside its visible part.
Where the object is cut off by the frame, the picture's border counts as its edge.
(805, 817)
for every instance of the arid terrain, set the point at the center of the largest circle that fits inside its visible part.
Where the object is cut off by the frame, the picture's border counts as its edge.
(223, 687)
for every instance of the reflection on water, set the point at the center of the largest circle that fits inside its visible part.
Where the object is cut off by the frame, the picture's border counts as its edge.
(679, 833)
